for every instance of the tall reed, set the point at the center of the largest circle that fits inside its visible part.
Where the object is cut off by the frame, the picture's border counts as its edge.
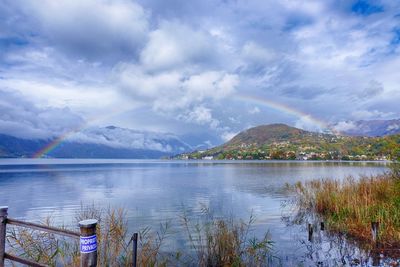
(211, 242)
(226, 242)
(349, 206)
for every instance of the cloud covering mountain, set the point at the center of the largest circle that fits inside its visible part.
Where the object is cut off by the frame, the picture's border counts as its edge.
(32, 128)
(369, 128)
(130, 139)
(184, 66)
(95, 142)
(21, 118)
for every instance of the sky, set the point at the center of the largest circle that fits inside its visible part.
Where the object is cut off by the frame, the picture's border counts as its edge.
(201, 69)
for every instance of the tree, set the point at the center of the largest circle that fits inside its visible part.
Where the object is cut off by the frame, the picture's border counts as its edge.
(394, 151)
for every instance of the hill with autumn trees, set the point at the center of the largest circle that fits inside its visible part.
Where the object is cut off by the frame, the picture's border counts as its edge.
(282, 142)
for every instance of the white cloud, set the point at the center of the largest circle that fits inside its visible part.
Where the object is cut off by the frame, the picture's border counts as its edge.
(22, 129)
(257, 54)
(254, 110)
(95, 103)
(392, 127)
(21, 118)
(373, 88)
(91, 28)
(370, 114)
(234, 120)
(211, 84)
(308, 123)
(174, 45)
(173, 90)
(145, 85)
(126, 138)
(226, 136)
(176, 61)
(344, 126)
(200, 115)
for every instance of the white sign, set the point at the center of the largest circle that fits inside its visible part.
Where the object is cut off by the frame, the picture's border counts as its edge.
(88, 244)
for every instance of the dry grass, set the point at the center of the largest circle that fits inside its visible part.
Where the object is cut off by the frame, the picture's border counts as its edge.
(350, 206)
(150, 244)
(54, 250)
(226, 242)
(42, 247)
(213, 242)
(112, 235)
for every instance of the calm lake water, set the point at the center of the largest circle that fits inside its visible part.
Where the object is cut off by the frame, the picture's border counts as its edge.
(154, 191)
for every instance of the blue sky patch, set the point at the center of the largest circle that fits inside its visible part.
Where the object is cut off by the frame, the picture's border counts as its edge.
(204, 70)
(12, 41)
(364, 7)
(396, 37)
(296, 21)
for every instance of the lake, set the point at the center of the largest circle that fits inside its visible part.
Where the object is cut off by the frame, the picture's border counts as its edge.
(156, 191)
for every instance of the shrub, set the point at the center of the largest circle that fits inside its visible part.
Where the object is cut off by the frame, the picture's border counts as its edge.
(213, 242)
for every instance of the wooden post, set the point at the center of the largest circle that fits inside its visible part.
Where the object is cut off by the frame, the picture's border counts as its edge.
(310, 232)
(376, 258)
(88, 243)
(375, 231)
(3, 224)
(134, 252)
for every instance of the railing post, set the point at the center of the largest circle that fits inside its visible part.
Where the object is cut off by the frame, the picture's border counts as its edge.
(3, 224)
(88, 243)
(310, 232)
(375, 231)
(134, 252)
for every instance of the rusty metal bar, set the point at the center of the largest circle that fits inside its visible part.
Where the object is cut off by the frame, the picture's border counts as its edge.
(310, 232)
(87, 236)
(134, 252)
(44, 228)
(3, 225)
(23, 261)
(375, 231)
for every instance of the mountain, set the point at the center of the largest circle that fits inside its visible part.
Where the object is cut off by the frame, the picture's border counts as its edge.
(266, 133)
(11, 147)
(370, 128)
(95, 142)
(131, 139)
(280, 141)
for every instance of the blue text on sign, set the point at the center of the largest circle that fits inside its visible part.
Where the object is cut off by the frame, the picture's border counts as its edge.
(88, 244)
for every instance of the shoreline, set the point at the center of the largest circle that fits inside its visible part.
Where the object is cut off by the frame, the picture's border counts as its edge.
(124, 160)
(351, 207)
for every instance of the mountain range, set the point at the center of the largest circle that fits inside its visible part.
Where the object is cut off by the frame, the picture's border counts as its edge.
(272, 141)
(96, 142)
(280, 141)
(369, 128)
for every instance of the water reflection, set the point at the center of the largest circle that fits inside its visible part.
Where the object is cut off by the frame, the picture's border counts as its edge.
(322, 247)
(327, 249)
(159, 191)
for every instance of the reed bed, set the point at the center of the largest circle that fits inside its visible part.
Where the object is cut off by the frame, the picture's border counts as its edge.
(211, 242)
(226, 242)
(349, 206)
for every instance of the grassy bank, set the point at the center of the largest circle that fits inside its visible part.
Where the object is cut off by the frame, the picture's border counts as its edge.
(210, 242)
(349, 206)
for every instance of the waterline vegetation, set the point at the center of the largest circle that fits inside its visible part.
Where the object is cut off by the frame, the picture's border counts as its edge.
(349, 207)
(211, 242)
(282, 142)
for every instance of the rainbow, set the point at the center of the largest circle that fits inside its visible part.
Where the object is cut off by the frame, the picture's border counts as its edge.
(241, 97)
(56, 142)
(284, 108)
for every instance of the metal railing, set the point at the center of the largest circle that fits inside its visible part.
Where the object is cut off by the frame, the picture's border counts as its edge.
(87, 237)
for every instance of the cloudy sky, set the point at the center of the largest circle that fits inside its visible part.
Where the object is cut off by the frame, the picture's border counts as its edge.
(203, 69)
